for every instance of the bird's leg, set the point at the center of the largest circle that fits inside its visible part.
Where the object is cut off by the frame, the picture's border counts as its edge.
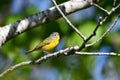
(46, 52)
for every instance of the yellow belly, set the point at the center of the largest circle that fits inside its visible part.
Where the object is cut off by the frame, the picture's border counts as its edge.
(50, 46)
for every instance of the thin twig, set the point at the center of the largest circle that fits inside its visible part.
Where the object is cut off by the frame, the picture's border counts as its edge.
(100, 23)
(100, 8)
(108, 30)
(69, 23)
(106, 11)
(114, 3)
(92, 34)
(115, 8)
(14, 67)
(98, 53)
(96, 28)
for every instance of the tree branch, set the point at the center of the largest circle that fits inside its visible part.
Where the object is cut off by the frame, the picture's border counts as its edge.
(114, 3)
(106, 11)
(108, 30)
(67, 20)
(101, 22)
(9, 31)
(98, 53)
(67, 51)
(96, 28)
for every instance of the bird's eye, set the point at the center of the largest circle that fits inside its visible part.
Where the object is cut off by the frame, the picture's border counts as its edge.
(55, 35)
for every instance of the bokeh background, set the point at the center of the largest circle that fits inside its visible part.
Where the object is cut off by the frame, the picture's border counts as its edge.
(73, 67)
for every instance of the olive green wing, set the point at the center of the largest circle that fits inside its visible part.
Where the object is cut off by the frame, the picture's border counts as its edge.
(40, 45)
(45, 42)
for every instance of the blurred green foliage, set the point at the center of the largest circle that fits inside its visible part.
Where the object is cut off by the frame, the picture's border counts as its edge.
(73, 67)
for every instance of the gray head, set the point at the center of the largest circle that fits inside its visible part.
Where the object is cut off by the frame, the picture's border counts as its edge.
(54, 35)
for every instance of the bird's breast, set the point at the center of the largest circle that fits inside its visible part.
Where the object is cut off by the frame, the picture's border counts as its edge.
(50, 46)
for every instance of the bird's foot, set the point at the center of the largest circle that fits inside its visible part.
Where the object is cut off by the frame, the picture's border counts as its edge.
(46, 52)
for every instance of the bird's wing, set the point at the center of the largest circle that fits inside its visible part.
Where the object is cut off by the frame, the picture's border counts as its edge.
(41, 44)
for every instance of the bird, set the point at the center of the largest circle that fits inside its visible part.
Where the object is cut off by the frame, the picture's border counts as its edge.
(47, 44)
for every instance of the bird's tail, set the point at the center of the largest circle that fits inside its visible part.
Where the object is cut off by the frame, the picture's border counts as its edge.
(29, 51)
(34, 49)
